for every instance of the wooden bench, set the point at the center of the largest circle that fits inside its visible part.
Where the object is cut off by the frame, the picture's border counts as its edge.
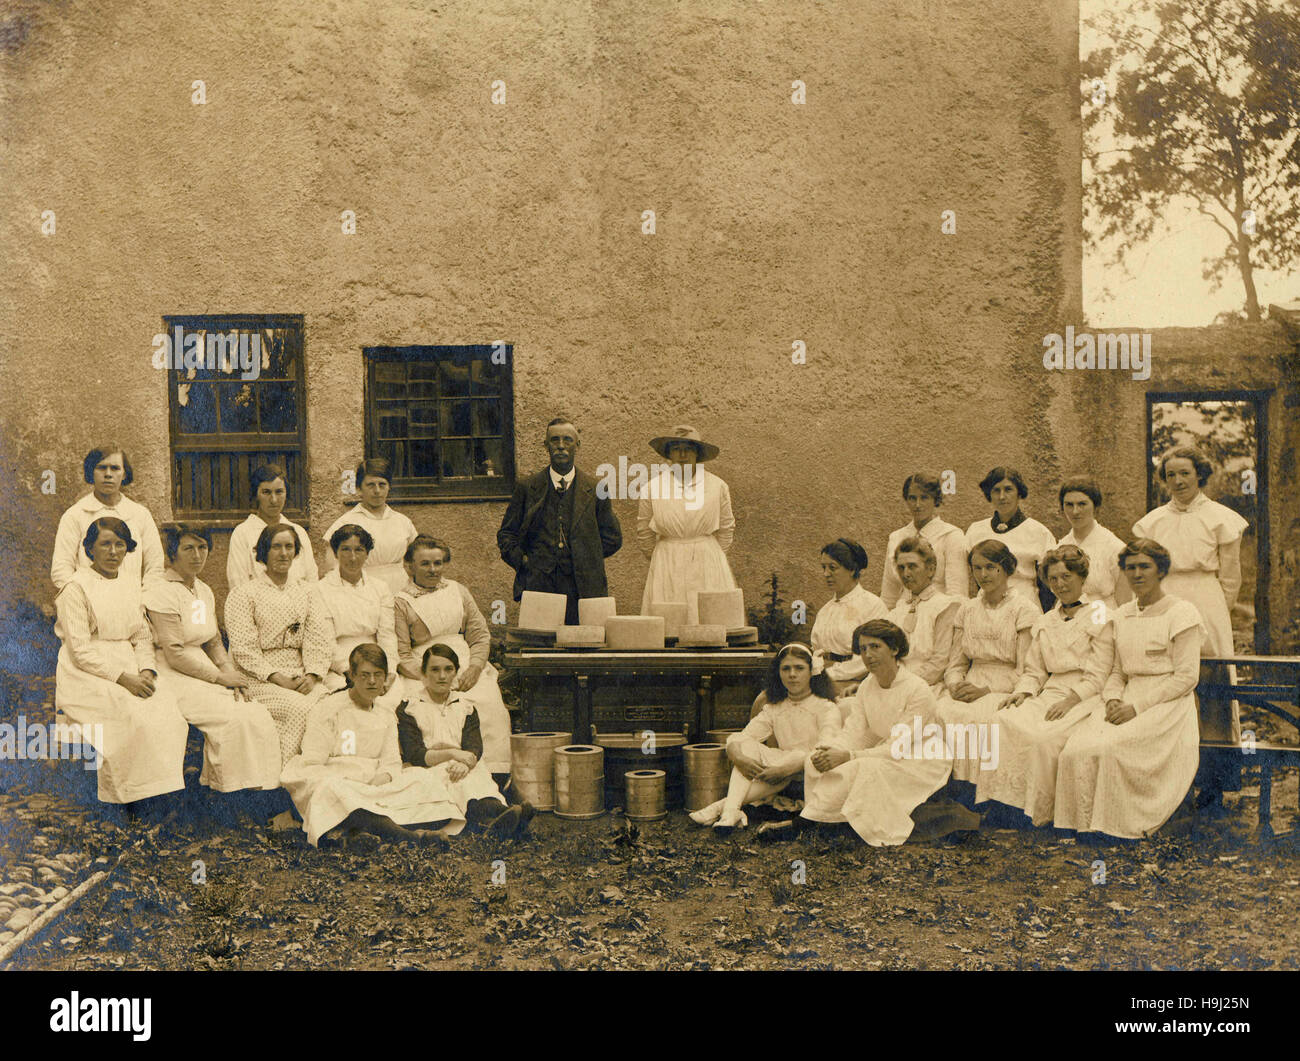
(1268, 682)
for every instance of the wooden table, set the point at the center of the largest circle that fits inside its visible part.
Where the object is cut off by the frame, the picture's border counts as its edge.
(584, 670)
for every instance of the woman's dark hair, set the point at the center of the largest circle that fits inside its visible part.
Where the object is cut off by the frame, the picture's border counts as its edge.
(378, 467)
(107, 523)
(1146, 547)
(1080, 484)
(882, 630)
(351, 530)
(439, 649)
(922, 548)
(268, 535)
(775, 687)
(996, 475)
(926, 483)
(265, 473)
(1074, 559)
(98, 454)
(172, 537)
(992, 549)
(368, 653)
(848, 554)
(425, 541)
(1204, 469)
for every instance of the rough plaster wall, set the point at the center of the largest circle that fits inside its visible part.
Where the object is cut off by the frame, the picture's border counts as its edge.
(476, 222)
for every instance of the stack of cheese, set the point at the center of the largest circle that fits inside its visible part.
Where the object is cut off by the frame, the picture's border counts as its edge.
(590, 631)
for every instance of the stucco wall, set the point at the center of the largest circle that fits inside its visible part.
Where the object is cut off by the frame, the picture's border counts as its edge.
(521, 222)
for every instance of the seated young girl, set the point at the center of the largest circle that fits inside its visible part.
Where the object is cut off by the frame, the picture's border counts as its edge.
(800, 713)
(990, 640)
(864, 778)
(349, 777)
(439, 729)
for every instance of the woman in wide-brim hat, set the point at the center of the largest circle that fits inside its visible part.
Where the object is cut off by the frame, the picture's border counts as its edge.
(684, 524)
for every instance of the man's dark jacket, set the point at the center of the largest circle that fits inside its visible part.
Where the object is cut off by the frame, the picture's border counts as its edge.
(595, 534)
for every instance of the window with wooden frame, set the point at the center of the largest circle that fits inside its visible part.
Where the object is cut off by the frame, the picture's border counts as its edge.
(443, 416)
(236, 395)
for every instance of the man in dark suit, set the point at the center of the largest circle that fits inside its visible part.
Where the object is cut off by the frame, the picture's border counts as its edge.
(556, 532)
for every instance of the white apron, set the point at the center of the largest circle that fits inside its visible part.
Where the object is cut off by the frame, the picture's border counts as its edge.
(141, 748)
(443, 614)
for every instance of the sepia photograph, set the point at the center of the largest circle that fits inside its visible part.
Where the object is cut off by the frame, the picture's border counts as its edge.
(650, 485)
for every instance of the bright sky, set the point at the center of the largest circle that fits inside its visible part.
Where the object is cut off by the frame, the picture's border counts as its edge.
(1160, 282)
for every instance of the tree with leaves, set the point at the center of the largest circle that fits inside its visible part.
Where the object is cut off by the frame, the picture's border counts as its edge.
(1203, 105)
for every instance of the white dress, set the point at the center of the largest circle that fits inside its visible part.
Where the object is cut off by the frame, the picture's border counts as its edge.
(143, 564)
(951, 575)
(343, 749)
(444, 613)
(1063, 657)
(879, 787)
(1126, 780)
(392, 533)
(927, 620)
(443, 724)
(1104, 578)
(360, 614)
(686, 538)
(1193, 536)
(242, 565)
(1028, 541)
(240, 746)
(984, 651)
(833, 628)
(140, 741)
(799, 726)
(280, 629)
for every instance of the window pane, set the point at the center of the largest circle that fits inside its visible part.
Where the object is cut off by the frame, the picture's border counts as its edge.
(279, 406)
(487, 376)
(487, 417)
(455, 418)
(395, 454)
(457, 459)
(279, 352)
(490, 457)
(455, 379)
(424, 460)
(392, 425)
(238, 413)
(196, 409)
(422, 380)
(424, 420)
(390, 380)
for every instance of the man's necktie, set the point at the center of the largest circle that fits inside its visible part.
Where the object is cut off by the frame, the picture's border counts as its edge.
(559, 490)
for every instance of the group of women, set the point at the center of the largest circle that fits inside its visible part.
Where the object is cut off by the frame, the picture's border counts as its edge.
(368, 692)
(1082, 716)
(318, 673)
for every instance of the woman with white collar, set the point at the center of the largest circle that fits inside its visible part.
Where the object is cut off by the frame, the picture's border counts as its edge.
(281, 637)
(1004, 488)
(270, 492)
(390, 531)
(843, 562)
(923, 494)
(685, 525)
(1204, 542)
(360, 606)
(1071, 648)
(1080, 499)
(107, 469)
(924, 613)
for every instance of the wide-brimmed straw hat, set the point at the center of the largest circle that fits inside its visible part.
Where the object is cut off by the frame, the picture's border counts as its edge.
(685, 433)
